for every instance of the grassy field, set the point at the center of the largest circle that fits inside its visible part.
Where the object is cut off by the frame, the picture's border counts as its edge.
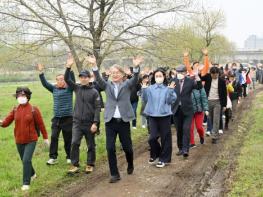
(248, 178)
(10, 164)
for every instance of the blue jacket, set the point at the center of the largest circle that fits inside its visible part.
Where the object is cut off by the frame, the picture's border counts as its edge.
(158, 99)
(62, 98)
(199, 99)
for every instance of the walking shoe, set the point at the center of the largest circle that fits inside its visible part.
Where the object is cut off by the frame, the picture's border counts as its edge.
(204, 123)
(160, 164)
(179, 153)
(89, 169)
(185, 154)
(25, 187)
(202, 140)
(52, 161)
(130, 169)
(33, 177)
(115, 179)
(73, 170)
(134, 128)
(192, 146)
(208, 133)
(220, 131)
(143, 126)
(214, 141)
(68, 161)
(152, 161)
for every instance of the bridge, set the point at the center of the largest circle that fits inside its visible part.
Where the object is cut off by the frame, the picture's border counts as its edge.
(255, 56)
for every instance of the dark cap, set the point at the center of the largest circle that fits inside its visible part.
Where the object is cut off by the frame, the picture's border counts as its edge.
(84, 73)
(23, 91)
(181, 68)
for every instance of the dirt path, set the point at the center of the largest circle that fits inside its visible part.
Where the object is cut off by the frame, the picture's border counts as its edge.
(200, 175)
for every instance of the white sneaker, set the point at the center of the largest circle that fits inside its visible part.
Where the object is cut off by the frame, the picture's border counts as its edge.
(52, 161)
(68, 161)
(134, 128)
(160, 164)
(208, 133)
(204, 123)
(33, 177)
(25, 187)
(143, 126)
(220, 131)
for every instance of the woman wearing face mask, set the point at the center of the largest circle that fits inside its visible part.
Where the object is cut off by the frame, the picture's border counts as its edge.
(159, 98)
(28, 120)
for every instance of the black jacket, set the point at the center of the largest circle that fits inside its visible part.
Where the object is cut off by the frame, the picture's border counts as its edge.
(185, 97)
(87, 103)
(97, 87)
(221, 88)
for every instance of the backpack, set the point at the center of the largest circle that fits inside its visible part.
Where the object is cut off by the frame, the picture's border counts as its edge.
(34, 117)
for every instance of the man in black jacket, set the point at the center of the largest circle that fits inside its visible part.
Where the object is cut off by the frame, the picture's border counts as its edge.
(215, 88)
(86, 117)
(183, 108)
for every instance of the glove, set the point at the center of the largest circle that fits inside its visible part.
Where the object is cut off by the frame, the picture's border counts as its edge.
(46, 142)
(207, 113)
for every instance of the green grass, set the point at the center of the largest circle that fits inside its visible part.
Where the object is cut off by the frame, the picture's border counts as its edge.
(48, 176)
(248, 178)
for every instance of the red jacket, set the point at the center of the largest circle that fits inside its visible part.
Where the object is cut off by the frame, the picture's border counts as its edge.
(24, 130)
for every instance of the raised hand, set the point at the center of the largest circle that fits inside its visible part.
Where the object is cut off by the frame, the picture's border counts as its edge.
(186, 54)
(40, 67)
(91, 60)
(137, 60)
(205, 51)
(70, 61)
(172, 85)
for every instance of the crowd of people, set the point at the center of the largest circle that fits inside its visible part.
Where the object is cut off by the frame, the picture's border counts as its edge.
(192, 95)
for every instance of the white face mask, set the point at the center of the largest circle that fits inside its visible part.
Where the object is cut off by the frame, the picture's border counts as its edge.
(159, 80)
(180, 76)
(173, 76)
(22, 100)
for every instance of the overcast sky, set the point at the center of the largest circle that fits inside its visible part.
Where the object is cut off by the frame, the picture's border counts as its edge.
(243, 18)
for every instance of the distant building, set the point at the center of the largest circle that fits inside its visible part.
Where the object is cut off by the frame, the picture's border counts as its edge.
(253, 43)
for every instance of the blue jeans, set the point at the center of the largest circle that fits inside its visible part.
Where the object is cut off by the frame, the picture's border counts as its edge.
(134, 107)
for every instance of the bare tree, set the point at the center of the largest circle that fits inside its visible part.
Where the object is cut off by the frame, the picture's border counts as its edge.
(207, 23)
(99, 27)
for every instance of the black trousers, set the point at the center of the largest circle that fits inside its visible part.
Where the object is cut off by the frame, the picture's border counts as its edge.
(160, 127)
(113, 128)
(58, 124)
(183, 125)
(80, 130)
(244, 87)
